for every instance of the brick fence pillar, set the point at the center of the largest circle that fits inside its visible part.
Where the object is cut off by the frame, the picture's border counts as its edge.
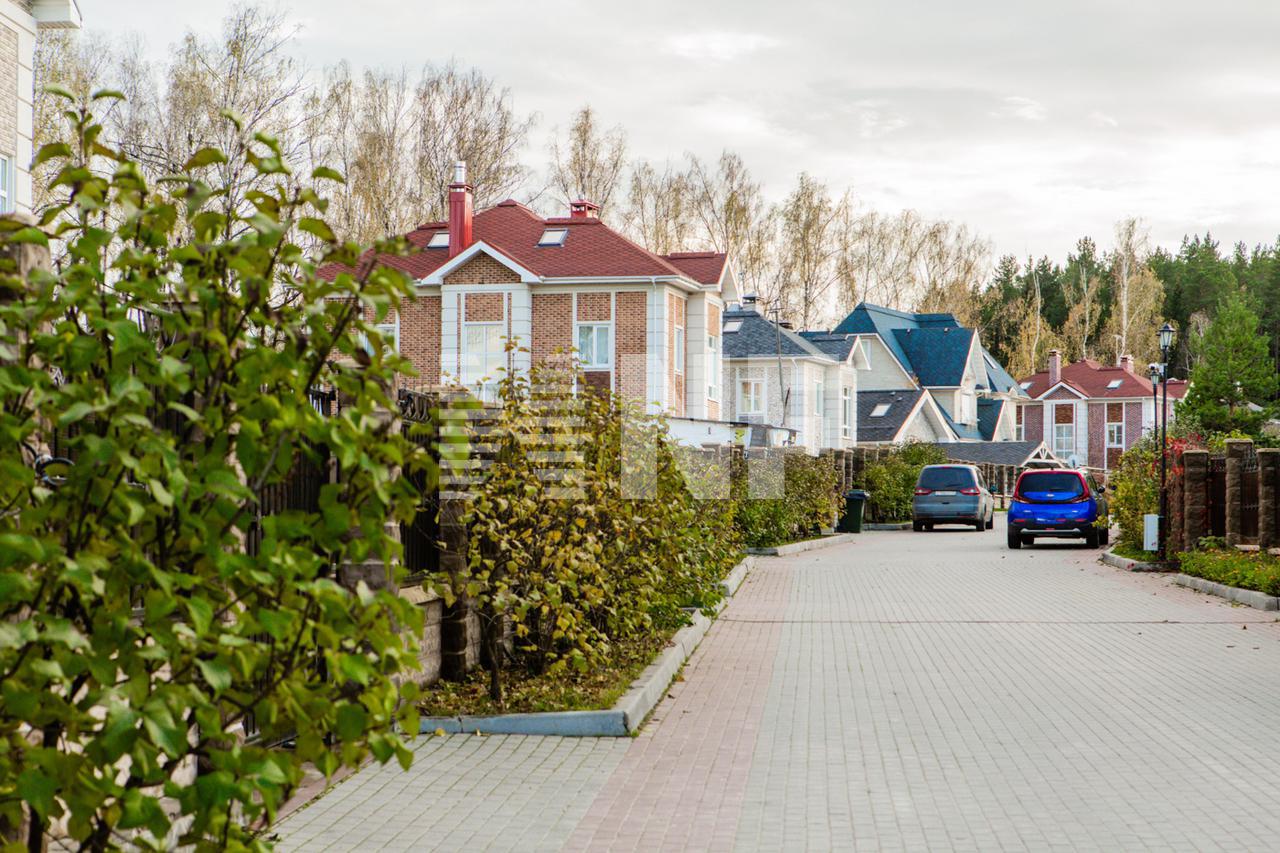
(1268, 470)
(1195, 485)
(1176, 525)
(453, 562)
(1237, 449)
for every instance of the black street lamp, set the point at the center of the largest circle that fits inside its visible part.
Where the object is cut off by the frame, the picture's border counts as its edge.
(1166, 342)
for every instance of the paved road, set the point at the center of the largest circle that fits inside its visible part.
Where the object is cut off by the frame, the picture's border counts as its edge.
(908, 691)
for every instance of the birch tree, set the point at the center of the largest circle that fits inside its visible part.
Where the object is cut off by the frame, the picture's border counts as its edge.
(660, 213)
(809, 244)
(588, 162)
(729, 206)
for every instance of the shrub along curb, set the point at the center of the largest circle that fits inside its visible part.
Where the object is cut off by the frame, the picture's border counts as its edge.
(799, 547)
(1250, 597)
(1130, 565)
(627, 713)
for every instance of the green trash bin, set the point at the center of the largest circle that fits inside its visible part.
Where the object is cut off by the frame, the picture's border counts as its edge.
(855, 503)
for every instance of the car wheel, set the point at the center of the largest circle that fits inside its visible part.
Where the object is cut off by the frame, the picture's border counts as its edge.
(1091, 537)
(991, 522)
(917, 526)
(928, 527)
(1015, 541)
(1106, 536)
(980, 525)
(1028, 540)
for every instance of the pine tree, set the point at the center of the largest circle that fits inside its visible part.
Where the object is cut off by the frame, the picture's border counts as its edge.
(1234, 369)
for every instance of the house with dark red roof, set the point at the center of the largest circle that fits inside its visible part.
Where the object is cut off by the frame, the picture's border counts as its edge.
(643, 324)
(1090, 412)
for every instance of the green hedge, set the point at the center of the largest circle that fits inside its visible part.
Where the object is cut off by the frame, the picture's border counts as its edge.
(810, 502)
(1247, 570)
(891, 480)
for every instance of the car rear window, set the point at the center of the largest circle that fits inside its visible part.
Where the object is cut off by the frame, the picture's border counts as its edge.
(945, 478)
(1062, 482)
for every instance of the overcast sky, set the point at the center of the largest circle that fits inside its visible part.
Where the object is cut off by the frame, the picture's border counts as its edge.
(1034, 123)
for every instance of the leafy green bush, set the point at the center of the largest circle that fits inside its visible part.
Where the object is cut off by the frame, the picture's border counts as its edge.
(138, 633)
(1134, 491)
(577, 545)
(891, 480)
(810, 502)
(1246, 570)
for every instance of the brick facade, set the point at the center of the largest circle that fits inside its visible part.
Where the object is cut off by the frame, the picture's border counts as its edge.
(676, 373)
(631, 348)
(552, 325)
(1032, 421)
(482, 269)
(420, 335)
(1097, 435)
(485, 307)
(595, 307)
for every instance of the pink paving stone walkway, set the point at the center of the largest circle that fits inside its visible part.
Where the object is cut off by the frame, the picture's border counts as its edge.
(683, 782)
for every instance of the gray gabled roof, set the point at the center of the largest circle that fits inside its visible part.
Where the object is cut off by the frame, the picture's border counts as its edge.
(887, 426)
(995, 452)
(838, 346)
(758, 336)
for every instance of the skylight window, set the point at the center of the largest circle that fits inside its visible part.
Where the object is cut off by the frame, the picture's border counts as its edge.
(880, 410)
(553, 237)
(1114, 383)
(1024, 385)
(439, 240)
(732, 326)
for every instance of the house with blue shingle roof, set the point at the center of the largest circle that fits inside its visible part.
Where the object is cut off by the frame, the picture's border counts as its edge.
(933, 354)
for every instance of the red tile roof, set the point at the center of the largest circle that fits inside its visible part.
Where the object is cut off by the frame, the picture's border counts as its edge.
(702, 267)
(1092, 379)
(591, 248)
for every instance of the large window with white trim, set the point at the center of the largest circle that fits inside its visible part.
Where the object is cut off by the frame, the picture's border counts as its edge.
(819, 391)
(751, 397)
(595, 345)
(713, 367)
(6, 185)
(484, 358)
(679, 349)
(846, 412)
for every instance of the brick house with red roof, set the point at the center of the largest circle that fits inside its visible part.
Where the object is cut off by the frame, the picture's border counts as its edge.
(1089, 410)
(643, 324)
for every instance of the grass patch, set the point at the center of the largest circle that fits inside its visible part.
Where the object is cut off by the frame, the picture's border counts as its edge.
(1129, 552)
(594, 690)
(1246, 570)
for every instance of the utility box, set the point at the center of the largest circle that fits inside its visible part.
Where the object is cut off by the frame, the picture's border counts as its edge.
(1151, 532)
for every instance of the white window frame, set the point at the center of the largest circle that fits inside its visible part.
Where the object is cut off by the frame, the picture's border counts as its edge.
(1061, 449)
(486, 384)
(1115, 425)
(6, 184)
(677, 346)
(713, 367)
(846, 411)
(595, 328)
(751, 402)
(819, 393)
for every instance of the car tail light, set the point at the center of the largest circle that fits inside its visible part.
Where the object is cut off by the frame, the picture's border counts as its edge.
(1080, 499)
(970, 491)
(924, 491)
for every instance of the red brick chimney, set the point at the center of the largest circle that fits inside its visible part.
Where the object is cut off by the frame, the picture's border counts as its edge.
(459, 210)
(1055, 367)
(1126, 362)
(583, 209)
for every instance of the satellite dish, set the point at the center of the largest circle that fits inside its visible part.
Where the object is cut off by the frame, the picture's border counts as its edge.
(1073, 461)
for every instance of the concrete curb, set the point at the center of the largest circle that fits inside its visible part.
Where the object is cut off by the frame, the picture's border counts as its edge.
(1129, 565)
(1249, 597)
(734, 579)
(627, 714)
(887, 525)
(801, 547)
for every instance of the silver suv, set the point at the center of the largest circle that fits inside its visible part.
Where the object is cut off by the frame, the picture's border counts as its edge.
(952, 494)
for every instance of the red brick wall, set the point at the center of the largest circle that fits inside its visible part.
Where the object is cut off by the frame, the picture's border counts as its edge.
(481, 269)
(1062, 394)
(552, 325)
(631, 327)
(484, 307)
(420, 335)
(1033, 419)
(1097, 419)
(713, 328)
(595, 307)
(1132, 424)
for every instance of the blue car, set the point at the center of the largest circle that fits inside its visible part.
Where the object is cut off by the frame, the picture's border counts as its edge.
(1058, 504)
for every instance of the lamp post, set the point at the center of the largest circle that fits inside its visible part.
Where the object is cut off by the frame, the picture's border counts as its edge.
(1166, 341)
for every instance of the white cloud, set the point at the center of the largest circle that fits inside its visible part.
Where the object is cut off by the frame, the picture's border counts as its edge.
(1101, 119)
(1016, 106)
(716, 45)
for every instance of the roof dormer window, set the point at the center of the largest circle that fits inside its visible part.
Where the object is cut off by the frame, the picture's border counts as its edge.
(732, 326)
(880, 410)
(439, 240)
(1024, 385)
(553, 237)
(1114, 384)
